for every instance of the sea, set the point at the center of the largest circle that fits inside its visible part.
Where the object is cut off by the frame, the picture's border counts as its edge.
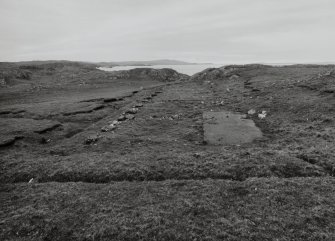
(190, 69)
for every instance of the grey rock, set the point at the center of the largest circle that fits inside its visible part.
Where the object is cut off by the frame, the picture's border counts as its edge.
(91, 139)
(130, 116)
(121, 118)
(132, 111)
(138, 105)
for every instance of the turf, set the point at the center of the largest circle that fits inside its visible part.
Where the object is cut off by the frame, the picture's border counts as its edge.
(153, 177)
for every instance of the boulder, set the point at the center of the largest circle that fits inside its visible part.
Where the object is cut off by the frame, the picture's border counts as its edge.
(121, 118)
(130, 116)
(132, 111)
(108, 128)
(91, 139)
(138, 105)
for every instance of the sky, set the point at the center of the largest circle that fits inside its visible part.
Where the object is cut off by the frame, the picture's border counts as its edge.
(216, 31)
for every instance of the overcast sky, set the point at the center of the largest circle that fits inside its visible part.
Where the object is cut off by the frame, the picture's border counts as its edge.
(219, 31)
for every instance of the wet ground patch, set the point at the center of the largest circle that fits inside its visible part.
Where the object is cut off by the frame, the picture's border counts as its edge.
(226, 128)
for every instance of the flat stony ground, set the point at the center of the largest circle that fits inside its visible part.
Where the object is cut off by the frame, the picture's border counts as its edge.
(153, 177)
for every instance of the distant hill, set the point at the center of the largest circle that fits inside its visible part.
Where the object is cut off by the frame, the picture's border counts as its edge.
(144, 63)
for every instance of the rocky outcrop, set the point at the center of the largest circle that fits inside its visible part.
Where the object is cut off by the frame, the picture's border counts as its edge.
(164, 75)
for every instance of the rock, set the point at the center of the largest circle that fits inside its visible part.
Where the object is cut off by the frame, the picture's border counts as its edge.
(121, 118)
(104, 129)
(132, 111)
(251, 112)
(262, 115)
(108, 128)
(114, 122)
(138, 105)
(91, 139)
(176, 116)
(233, 77)
(130, 116)
(44, 140)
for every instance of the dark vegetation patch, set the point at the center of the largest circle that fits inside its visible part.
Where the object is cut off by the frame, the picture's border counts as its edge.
(107, 100)
(73, 132)
(49, 128)
(8, 112)
(23, 126)
(8, 140)
(84, 111)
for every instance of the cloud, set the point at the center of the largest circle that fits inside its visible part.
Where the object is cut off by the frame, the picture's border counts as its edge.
(195, 30)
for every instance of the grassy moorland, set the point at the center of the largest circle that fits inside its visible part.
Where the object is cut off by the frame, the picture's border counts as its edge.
(69, 171)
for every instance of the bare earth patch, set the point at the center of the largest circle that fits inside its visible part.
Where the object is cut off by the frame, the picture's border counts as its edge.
(226, 128)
